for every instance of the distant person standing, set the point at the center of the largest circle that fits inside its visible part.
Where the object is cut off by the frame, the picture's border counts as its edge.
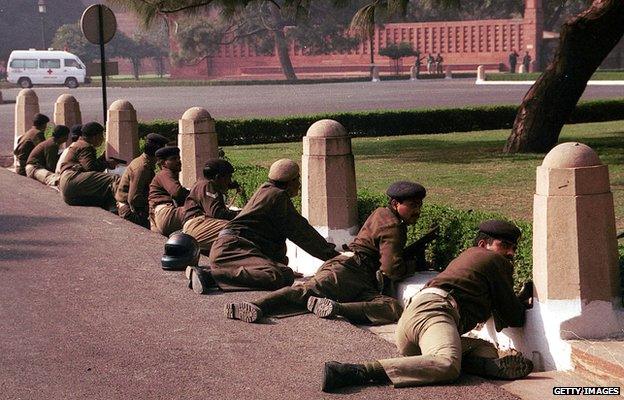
(526, 61)
(513, 60)
(438, 64)
(430, 62)
(417, 63)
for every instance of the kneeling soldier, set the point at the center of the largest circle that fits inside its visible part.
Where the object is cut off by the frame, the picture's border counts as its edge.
(27, 142)
(166, 194)
(205, 212)
(475, 285)
(133, 188)
(42, 160)
(347, 285)
(250, 253)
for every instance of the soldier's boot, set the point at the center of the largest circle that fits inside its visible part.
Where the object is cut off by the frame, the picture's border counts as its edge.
(322, 307)
(507, 368)
(247, 312)
(337, 375)
(200, 280)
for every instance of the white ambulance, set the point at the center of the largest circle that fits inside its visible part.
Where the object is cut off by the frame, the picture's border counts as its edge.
(45, 67)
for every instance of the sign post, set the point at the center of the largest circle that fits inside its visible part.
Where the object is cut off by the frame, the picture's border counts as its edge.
(99, 25)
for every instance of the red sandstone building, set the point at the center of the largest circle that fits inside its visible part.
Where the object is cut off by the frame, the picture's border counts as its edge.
(462, 44)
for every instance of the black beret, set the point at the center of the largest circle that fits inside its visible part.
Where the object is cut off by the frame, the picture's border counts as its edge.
(168, 151)
(403, 190)
(91, 129)
(217, 166)
(502, 230)
(60, 131)
(40, 119)
(157, 139)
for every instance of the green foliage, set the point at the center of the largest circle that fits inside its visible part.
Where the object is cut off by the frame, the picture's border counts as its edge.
(458, 229)
(383, 122)
(395, 52)
(70, 37)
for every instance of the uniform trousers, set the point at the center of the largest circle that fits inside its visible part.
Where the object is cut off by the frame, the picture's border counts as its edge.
(88, 188)
(428, 338)
(42, 175)
(345, 281)
(166, 219)
(205, 230)
(237, 264)
(125, 211)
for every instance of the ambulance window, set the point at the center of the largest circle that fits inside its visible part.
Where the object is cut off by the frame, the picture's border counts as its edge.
(69, 62)
(50, 63)
(30, 63)
(17, 63)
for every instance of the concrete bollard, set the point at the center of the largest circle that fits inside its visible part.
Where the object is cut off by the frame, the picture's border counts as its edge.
(122, 131)
(480, 73)
(26, 107)
(413, 73)
(67, 112)
(375, 74)
(198, 142)
(448, 73)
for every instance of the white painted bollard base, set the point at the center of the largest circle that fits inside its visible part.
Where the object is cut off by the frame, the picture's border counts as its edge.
(300, 261)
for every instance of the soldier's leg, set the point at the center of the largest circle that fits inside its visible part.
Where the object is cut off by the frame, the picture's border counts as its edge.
(268, 276)
(125, 212)
(267, 305)
(205, 230)
(166, 219)
(90, 189)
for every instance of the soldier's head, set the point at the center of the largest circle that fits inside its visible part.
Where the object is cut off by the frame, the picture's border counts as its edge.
(181, 251)
(93, 133)
(406, 198)
(40, 121)
(284, 173)
(76, 132)
(60, 134)
(498, 236)
(169, 158)
(153, 142)
(220, 172)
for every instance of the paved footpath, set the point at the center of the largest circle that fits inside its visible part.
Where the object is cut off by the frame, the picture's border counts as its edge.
(87, 313)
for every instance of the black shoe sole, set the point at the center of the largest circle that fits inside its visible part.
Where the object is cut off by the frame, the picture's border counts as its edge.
(508, 368)
(245, 312)
(322, 308)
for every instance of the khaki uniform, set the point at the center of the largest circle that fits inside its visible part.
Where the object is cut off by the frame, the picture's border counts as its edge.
(352, 281)
(25, 144)
(133, 190)
(205, 214)
(82, 181)
(42, 162)
(250, 253)
(166, 199)
(475, 285)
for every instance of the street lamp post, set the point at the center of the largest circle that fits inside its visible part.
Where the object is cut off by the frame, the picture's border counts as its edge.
(42, 12)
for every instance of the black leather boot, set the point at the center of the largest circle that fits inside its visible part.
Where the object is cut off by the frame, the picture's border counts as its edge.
(337, 375)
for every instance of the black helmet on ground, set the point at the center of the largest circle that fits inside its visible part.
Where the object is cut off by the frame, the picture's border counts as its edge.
(181, 250)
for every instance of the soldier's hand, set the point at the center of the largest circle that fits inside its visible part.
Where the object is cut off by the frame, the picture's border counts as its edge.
(526, 294)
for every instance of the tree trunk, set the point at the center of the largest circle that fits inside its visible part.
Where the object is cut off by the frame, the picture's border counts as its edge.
(584, 43)
(136, 65)
(282, 45)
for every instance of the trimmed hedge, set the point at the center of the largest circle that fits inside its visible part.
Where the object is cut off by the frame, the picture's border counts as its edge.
(383, 123)
(457, 227)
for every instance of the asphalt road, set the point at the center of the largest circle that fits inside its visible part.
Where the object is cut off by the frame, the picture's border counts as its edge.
(274, 100)
(87, 313)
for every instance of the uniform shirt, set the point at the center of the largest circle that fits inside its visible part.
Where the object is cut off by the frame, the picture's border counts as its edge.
(81, 157)
(481, 282)
(62, 159)
(25, 145)
(165, 188)
(204, 199)
(45, 155)
(269, 218)
(133, 188)
(381, 240)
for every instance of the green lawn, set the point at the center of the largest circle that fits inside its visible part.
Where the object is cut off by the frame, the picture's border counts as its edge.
(615, 75)
(465, 170)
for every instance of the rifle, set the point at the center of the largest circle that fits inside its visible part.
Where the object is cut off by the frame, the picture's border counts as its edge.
(416, 250)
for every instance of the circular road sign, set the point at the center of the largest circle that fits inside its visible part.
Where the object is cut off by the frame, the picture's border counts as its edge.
(90, 23)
